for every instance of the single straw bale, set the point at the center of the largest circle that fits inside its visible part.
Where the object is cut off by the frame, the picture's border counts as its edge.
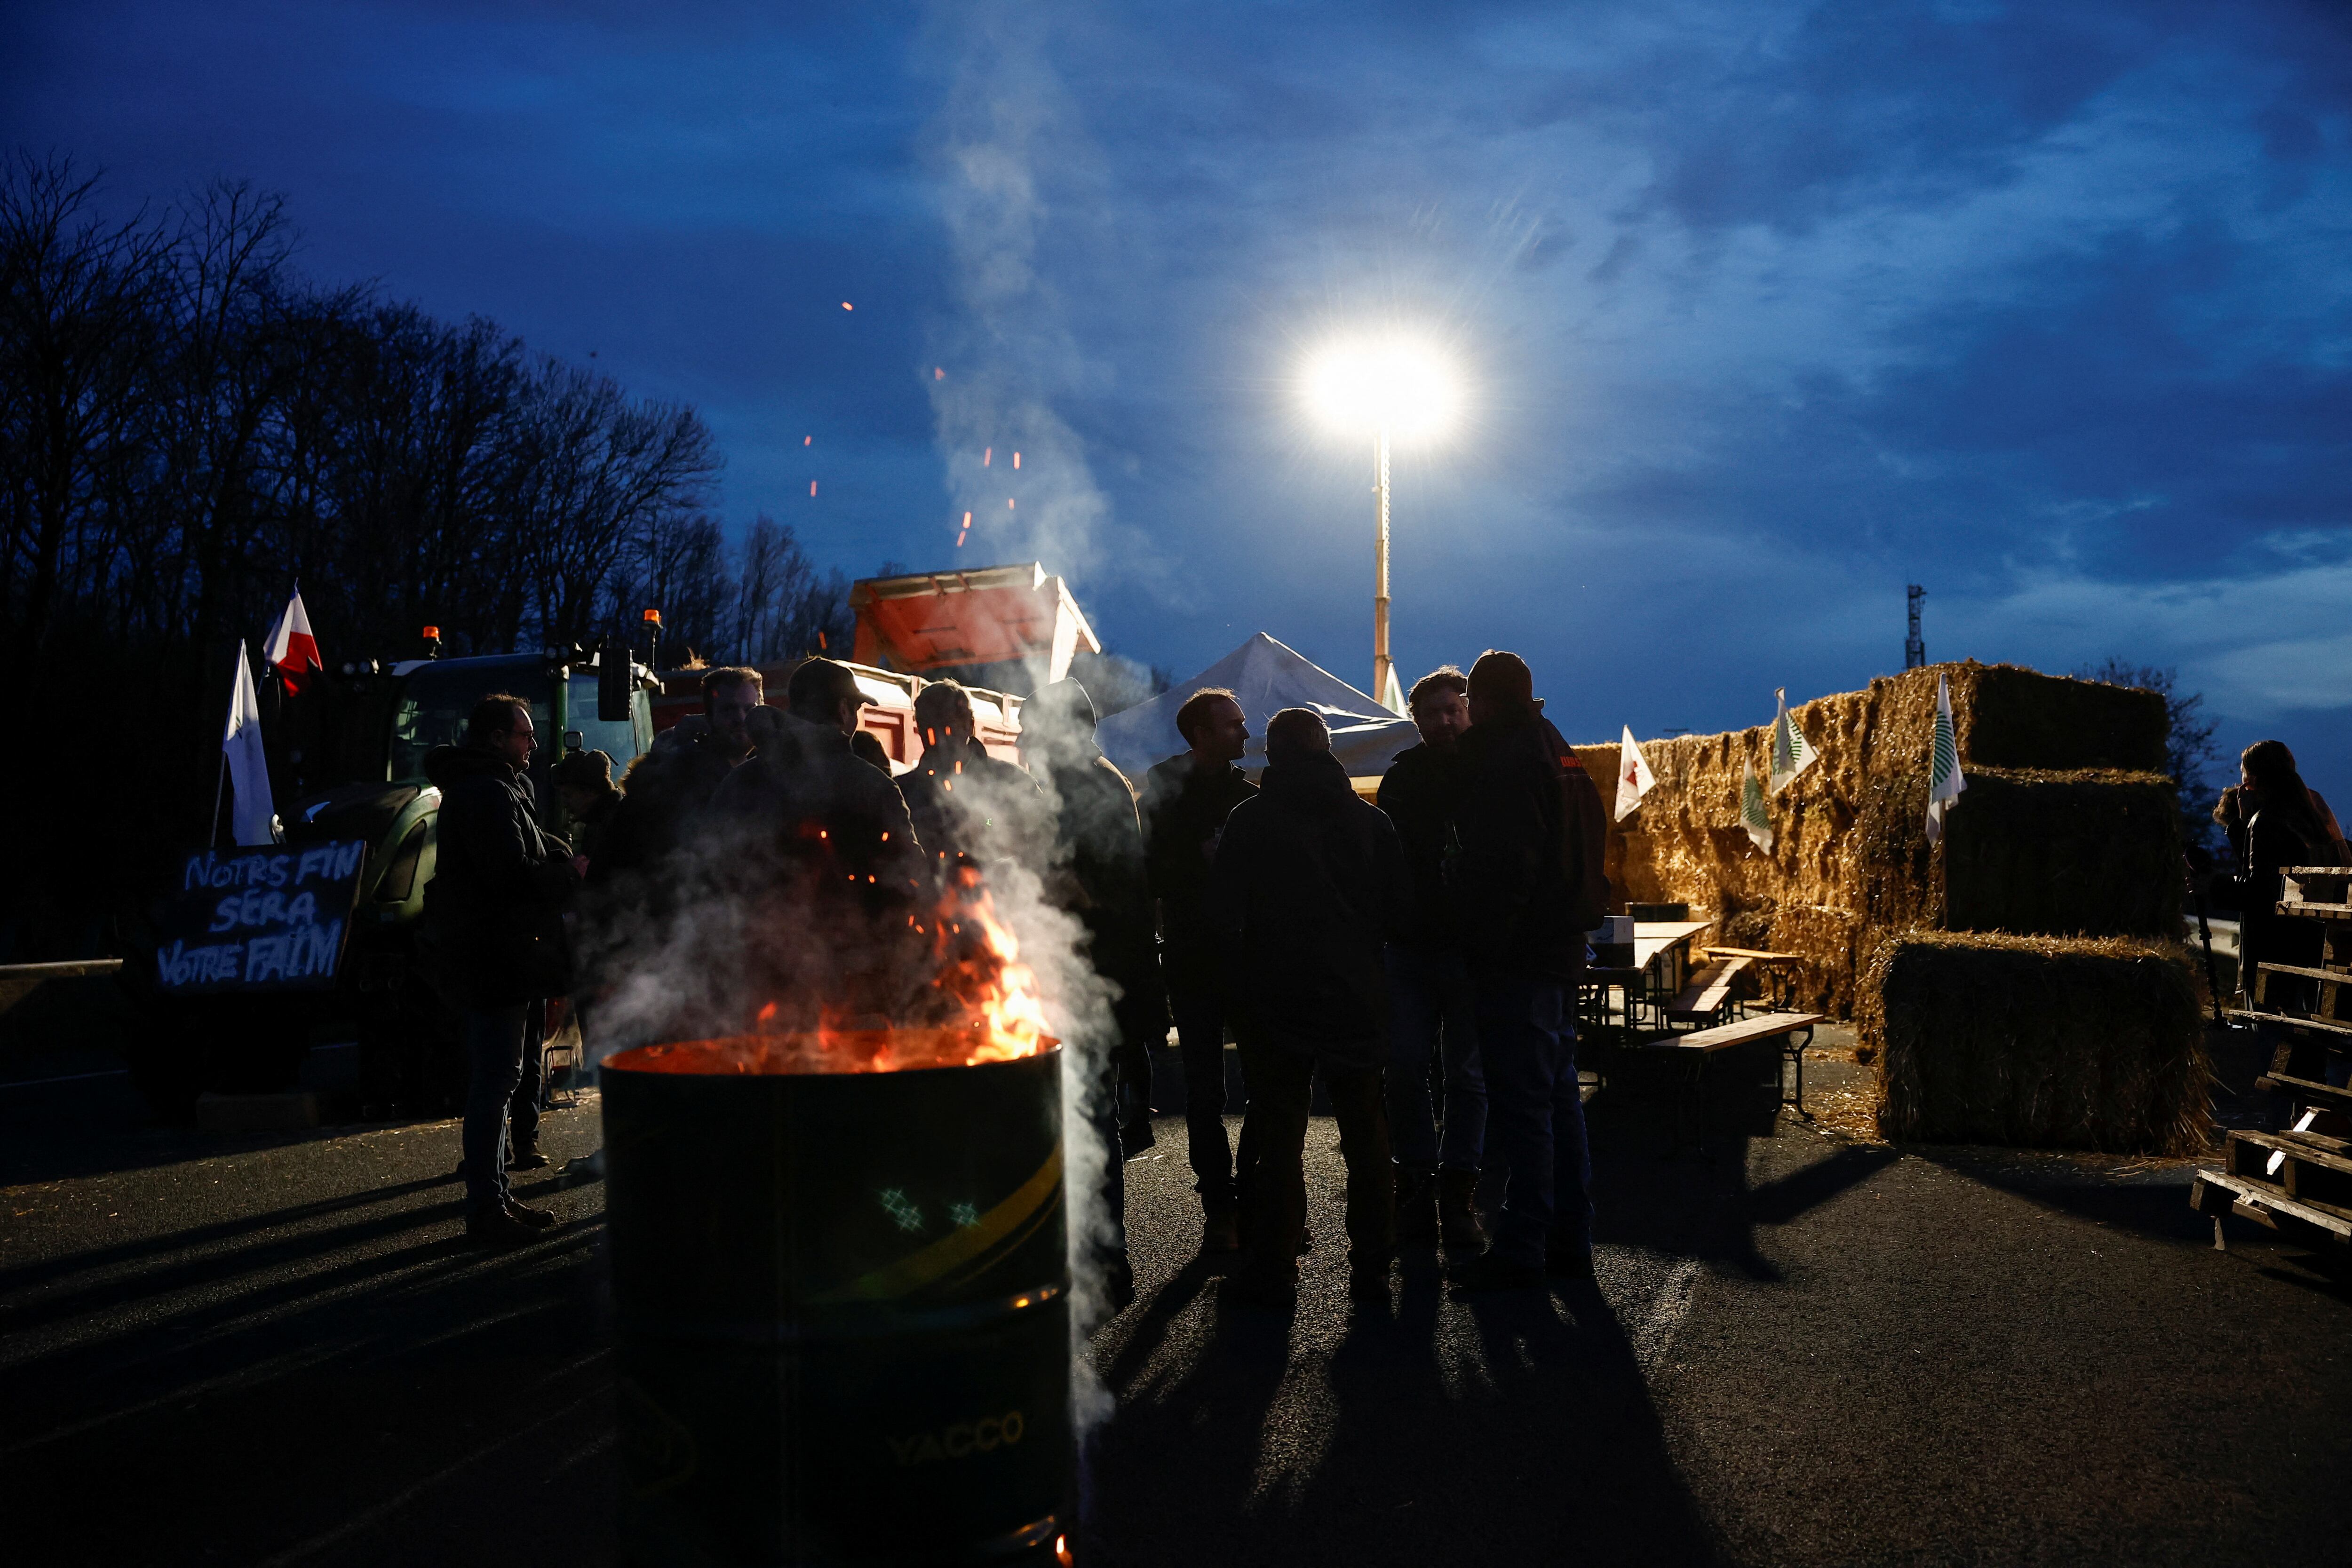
(2038, 1041)
(2094, 852)
(2018, 718)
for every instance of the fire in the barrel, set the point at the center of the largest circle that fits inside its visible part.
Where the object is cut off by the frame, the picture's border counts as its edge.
(842, 1286)
(980, 1005)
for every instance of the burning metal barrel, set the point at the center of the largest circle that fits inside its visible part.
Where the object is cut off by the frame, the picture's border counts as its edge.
(843, 1296)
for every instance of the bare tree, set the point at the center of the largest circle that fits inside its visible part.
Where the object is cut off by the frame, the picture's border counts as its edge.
(2189, 754)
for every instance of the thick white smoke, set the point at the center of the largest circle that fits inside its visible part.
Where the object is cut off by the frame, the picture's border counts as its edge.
(1013, 164)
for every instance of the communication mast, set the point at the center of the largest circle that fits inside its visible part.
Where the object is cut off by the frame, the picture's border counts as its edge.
(1915, 652)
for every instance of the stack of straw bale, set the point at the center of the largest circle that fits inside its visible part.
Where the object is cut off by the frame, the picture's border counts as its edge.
(1998, 973)
(2092, 1043)
(2066, 827)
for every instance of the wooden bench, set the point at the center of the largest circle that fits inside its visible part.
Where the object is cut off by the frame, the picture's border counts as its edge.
(1709, 991)
(1698, 1047)
(1778, 971)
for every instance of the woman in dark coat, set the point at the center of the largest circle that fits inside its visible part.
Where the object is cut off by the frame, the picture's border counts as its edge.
(2277, 822)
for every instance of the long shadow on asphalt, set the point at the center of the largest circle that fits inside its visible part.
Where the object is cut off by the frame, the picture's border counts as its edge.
(124, 1284)
(1679, 1185)
(1517, 1429)
(283, 1410)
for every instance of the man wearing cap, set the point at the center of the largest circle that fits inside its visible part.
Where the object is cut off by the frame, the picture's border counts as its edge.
(1529, 885)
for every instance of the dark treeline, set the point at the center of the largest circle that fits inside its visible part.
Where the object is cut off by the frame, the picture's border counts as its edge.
(188, 425)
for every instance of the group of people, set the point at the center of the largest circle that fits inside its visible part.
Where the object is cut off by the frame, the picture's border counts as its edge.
(1365, 943)
(1434, 936)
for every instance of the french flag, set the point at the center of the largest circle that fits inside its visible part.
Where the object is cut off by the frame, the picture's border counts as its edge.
(291, 651)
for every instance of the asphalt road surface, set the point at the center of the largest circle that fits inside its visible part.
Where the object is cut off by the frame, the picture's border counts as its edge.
(278, 1351)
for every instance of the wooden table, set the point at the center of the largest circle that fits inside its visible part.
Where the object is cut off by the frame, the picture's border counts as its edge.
(1661, 958)
(1662, 951)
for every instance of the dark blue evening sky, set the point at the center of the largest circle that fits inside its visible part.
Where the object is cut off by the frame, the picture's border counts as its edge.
(1766, 308)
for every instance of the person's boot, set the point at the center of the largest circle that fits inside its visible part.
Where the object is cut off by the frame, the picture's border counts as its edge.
(1260, 1287)
(1490, 1270)
(1369, 1283)
(1221, 1231)
(1119, 1285)
(526, 1158)
(1568, 1260)
(497, 1227)
(1416, 1203)
(536, 1219)
(1457, 1213)
(1135, 1134)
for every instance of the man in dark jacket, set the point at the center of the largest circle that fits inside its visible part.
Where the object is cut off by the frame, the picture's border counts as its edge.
(1430, 985)
(1529, 885)
(669, 788)
(1308, 881)
(816, 850)
(1186, 802)
(964, 801)
(1100, 876)
(1095, 873)
(498, 895)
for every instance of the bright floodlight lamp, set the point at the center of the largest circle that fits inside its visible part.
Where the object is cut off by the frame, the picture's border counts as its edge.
(1392, 388)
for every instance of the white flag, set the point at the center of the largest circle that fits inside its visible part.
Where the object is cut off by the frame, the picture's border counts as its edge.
(1751, 809)
(1791, 753)
(1634, 779)
(254, 817)
(290, 649)
(1944, 779)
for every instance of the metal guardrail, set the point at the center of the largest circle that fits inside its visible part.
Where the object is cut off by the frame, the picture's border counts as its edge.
(71, 969)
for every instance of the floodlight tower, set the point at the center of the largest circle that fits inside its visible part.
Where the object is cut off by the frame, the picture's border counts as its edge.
(1915, 652)
(1391, 387)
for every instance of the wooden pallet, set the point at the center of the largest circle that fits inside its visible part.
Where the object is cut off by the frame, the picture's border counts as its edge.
(2309, 1166)
(2270, 1206)
(2297, 1183)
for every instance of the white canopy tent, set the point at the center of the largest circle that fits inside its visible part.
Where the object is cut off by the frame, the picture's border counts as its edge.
(1266, 677)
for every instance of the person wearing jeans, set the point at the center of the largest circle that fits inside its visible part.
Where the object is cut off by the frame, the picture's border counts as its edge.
(1434, 1017)
(1429, 983)
(1527, 886)
(1281, 1077)
(496, 1050)
(1309, 881)
(496, 901)
(1186, 800)
(1536, 1123)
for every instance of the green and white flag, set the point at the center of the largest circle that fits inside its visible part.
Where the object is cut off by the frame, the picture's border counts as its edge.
(1791, 753)
(1751, 809)
(1944, 780)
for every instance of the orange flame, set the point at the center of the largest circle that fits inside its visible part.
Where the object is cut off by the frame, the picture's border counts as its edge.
(989, 997)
